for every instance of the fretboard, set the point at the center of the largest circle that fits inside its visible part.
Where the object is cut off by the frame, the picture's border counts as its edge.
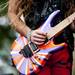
(59, 27)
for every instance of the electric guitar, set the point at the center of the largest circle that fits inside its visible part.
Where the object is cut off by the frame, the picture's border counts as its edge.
(28, 58)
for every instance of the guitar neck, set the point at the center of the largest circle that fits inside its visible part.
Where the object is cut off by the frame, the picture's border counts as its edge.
(59, 27)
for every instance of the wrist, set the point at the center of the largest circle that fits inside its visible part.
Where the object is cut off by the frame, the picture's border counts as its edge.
(28, 35)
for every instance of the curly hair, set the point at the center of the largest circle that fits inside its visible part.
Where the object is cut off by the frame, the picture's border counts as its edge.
(24, 6)
(70, 6)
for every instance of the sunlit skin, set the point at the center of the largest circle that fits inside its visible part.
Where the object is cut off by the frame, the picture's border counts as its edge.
(38, 37)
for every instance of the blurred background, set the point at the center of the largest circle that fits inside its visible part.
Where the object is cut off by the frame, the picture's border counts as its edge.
(7, 36)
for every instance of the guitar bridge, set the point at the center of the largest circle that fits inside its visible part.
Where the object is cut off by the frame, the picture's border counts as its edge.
(29, 50)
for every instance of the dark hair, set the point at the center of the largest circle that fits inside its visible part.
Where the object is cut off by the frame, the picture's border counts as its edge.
(25, 5)
(70, 7)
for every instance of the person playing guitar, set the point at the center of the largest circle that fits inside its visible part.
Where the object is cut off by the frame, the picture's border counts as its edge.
(35, 13)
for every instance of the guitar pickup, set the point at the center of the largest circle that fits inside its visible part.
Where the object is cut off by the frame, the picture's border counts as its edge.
(29, 50)
(33, 46)
(26, 51)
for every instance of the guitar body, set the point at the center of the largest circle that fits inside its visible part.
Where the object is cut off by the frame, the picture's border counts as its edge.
(34, 63)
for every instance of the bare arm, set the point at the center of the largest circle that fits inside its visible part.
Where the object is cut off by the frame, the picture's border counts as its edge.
(13, 12)
(14, 16)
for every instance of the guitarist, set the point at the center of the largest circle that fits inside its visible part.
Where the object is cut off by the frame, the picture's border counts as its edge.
(35, 12)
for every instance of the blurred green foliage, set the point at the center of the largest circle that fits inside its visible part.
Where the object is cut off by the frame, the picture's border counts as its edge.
(6, 33)
(3, 7)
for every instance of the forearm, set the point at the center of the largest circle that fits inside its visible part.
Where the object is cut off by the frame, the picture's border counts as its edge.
(18, 24)
(14, 16)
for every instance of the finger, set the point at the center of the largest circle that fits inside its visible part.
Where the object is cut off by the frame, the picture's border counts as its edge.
(39, 36)
(38, 43)
(41, 33)
(39, 39)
